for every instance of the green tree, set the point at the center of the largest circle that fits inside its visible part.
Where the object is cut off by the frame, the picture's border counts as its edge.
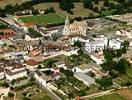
(106, 3)
(66, 5)
(88, 4)
(104, 82)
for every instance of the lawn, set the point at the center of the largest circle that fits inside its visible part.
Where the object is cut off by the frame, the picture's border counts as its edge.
(43, 19)
(113, 96)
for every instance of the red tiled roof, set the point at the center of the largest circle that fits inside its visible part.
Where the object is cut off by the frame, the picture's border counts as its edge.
(31, 62)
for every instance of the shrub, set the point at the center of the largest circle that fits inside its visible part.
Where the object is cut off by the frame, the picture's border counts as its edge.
(10, 94)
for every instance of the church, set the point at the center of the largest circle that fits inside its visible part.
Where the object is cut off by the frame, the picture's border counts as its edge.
(76, 28)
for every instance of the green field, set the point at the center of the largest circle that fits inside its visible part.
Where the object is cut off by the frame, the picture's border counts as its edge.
(43, 19)
(113, 96)
(122, 79)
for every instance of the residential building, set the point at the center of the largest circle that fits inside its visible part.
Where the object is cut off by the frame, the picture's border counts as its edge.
(87, 80)
(31, 64)
(42, 78)
(115, 44)
(14, 70)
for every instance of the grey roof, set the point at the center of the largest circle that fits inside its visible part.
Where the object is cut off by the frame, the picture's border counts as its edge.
(85, 77)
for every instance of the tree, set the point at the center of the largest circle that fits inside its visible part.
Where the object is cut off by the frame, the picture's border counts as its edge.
(96, 9)
(39, 67)
(109, 54)
(118, 53)
(77, 43)
(51, 9)
(104, 82)
(66, 5)
(88, 4)
(35, 11)
(106, 3)
(10, 94)
(96, 1)
(122, 65)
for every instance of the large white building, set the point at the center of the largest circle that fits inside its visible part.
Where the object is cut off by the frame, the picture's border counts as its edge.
(96, 44)
(75, 28)
(14, 70)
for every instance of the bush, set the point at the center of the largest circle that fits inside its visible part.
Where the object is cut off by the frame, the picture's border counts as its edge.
(10, 94)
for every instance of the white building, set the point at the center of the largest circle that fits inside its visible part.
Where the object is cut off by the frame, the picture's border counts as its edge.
(87, 80)
(115, 44)
(84, 68)
(98, 59)
(15, 71)
(42, 78)
(60, 64)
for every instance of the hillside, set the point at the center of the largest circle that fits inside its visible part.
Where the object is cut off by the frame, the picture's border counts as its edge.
(3, 3)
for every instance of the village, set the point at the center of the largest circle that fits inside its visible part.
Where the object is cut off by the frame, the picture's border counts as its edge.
(69, 61)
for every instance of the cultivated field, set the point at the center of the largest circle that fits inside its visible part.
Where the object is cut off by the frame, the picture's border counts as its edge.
(3, 3)
(79, 10)
(43, 19)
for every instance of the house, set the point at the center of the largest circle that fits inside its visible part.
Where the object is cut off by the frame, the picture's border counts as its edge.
(98, 57)
(60, 64)
(87, 80)
(7, 33)
(14, 70)
(115, 44)
(70, 51)
(42, 78)
(31, 64)
(84, 68)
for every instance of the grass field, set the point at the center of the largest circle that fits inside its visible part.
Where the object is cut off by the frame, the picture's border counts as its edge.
(43, 19)
(79, 10)
(124, 78)
(3, 3)
(113, 96)
(36, 93)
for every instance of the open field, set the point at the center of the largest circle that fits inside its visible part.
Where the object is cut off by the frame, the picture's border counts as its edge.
(43, 19)
(126, 93)
(113, 96)
(33, 93)
(79, 10)
(3, 3)
(121, 80)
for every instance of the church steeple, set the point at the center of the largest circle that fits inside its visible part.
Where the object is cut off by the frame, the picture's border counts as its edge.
(67, 22)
